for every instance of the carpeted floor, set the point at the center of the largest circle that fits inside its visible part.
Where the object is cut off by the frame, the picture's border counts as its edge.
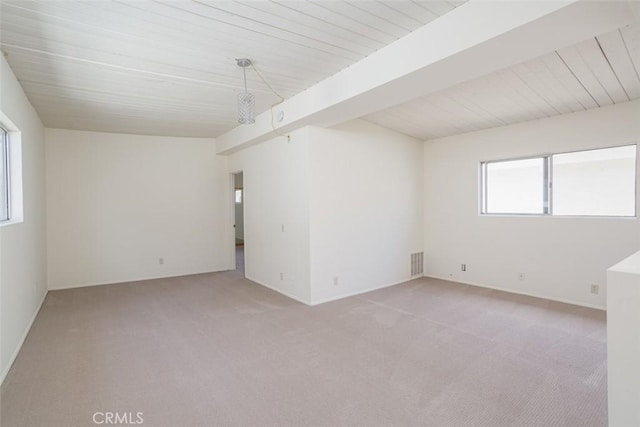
(218, 350)
(240, 259)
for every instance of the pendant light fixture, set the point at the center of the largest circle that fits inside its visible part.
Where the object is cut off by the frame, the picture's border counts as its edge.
(246, 100)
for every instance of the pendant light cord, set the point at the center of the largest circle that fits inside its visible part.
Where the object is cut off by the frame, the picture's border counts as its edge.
(267, 84)
(273, 127)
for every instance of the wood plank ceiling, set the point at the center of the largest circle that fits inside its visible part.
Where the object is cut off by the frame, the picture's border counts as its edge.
(600, 71)
(168, 67)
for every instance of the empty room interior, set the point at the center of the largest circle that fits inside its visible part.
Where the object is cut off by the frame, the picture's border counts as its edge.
(320, 213)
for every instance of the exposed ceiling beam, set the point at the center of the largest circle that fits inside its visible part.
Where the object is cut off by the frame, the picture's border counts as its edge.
(474, 39)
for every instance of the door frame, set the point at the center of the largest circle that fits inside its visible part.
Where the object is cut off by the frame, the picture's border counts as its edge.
(232, 217)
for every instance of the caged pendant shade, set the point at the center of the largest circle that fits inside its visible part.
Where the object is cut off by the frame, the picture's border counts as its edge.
(246, 100)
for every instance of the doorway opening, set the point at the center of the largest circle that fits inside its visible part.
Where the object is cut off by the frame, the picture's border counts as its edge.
(238, 220)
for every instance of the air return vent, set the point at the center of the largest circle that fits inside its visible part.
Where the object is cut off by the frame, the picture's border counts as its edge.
(417, 261)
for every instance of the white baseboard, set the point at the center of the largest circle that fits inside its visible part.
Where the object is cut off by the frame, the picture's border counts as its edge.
(280, 291)
(24, 337)
(364, 291)
(512, 291)
(136, 280)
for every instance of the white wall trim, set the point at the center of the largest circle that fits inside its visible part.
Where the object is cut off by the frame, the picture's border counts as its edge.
(280, 291)
(364, 291)
(511, 291)
(24, 337)
(143, 279)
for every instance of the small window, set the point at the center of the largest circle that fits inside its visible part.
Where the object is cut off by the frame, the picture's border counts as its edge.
(599, 182)
(238, 196)
(5, 196)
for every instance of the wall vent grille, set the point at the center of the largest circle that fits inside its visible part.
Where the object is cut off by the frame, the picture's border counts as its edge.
(417, 263)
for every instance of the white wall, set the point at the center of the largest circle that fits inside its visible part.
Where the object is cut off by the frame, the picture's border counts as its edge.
(276, 195)
(560, 256)
(22, 262)
(117, 203)
(623, 342)
(365, 208)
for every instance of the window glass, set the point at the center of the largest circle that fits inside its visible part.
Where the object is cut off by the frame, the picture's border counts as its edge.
(595, 182)
(599, 182)
(515, 186)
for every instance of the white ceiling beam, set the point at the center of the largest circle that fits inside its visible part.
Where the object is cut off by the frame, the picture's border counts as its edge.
(475, 39)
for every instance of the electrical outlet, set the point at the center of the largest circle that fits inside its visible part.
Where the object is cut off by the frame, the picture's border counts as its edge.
(282, 228)
(521, 276)
(281, 276)
(463, 267)
(595, 289)
(335, 281)
(161, 260)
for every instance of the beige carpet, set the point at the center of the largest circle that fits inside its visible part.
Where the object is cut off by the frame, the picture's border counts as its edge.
(218, 350)
(240, 259)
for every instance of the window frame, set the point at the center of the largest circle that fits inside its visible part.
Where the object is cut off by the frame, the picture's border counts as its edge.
(484, 189)
(5, 148)
(548, 185)
(15, 193)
